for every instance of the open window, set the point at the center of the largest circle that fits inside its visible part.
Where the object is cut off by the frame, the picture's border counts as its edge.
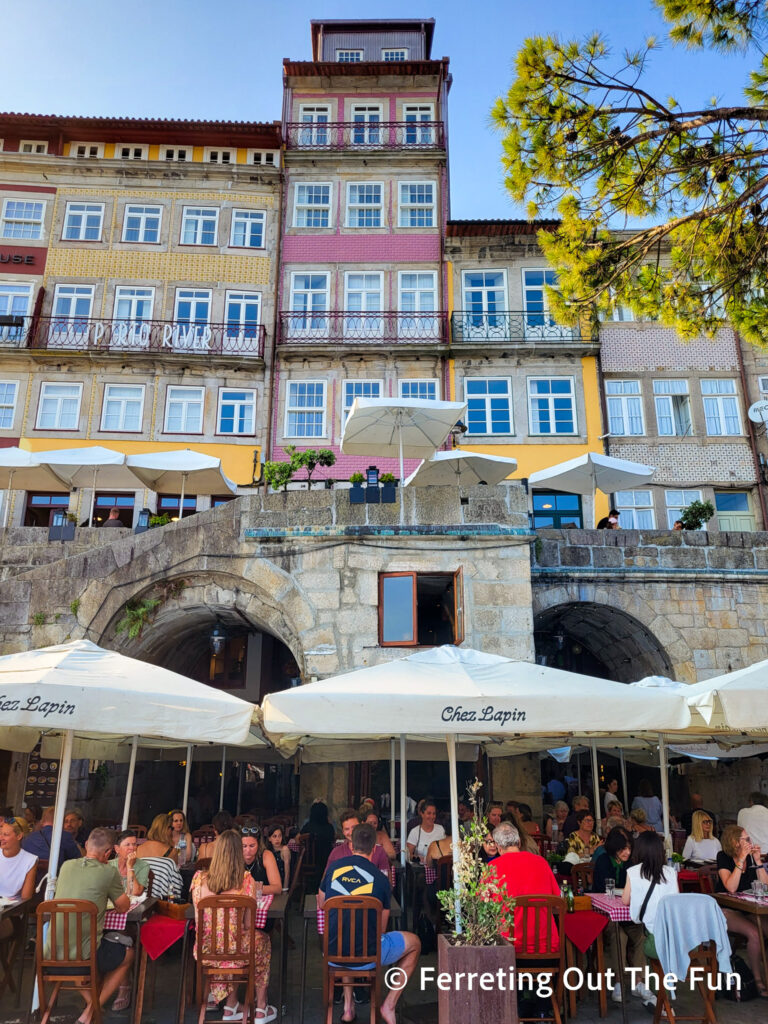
(421, 609)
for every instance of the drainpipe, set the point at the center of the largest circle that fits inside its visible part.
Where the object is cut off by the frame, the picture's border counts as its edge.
(276, 293)
(751, 433)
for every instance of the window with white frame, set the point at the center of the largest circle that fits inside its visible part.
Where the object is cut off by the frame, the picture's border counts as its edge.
(417, 296)
(184, 410)
(9, 390)
(625, 408)
(762, 383)
(15, 301)
(673, 408)
(539, 323)
(247, 229)
(309, 303)
(305, 408)
(364, 203)
(123, 408)
(394, 55)
(22, 218)
(485, 306)
(417, 204)
(33, 146)
(134, 304)
(353, 389)
(131, 152)
(72, 306)
(220, 156)
(193, 312)
(316, 118)
(312, 206)
(242, 313)
(489, 405)
(721, 408)
(362, 294)
(83, 222)
(86, 150)
(367, 124)
(237, 411)
(259, 157)
(418, 118)
(59, 407)
(635, 510)
(349, 56)
(551, 405)
(142, 223)
(177, 154)
(676, 501)
(424, 390)
(199, 225)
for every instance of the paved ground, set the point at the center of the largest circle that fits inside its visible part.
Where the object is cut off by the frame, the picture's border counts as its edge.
(418, 1007)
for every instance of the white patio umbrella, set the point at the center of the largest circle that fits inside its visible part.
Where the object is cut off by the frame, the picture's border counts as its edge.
(588, 473)
(23, 470)
(171, 472)
(461, 468)
(83, 467)
(734, 702)
(80, 689)
(405, 427)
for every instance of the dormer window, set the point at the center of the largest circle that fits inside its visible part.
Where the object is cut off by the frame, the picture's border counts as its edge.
(86, 150)
(221, 156)
(131, 152)
(391, 56)
(178, 155)
(27, 146)
(349, 56)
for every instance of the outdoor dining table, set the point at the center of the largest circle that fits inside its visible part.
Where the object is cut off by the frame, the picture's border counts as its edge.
(746, 903)
(619, 914)
(16, 912)
(313, 913)
(584, 929)
(115, 921)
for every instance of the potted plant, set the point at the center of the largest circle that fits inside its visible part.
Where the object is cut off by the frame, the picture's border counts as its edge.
(476, 904)
(356, 491)
(388, 488)
(160, 520)
(696, 514)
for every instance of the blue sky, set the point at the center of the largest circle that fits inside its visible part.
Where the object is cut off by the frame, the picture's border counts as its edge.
(222, 60)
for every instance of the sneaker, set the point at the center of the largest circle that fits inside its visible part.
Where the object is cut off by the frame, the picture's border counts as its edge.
(643, 992)
(616, 993)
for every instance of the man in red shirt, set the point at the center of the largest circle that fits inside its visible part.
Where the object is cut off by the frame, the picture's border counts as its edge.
(523, 874)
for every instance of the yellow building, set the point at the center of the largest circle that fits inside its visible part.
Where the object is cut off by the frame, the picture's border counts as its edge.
(137, 283)
(531, 385)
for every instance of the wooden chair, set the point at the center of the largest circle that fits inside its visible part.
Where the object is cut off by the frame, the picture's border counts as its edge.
(203, 864)
(12, 948)
(540, 945)
(237, 946)
(71, 923)
(309, 867)
(705, 958)
(353, 917)
(444, 873)
(583, 874)
(140, 830)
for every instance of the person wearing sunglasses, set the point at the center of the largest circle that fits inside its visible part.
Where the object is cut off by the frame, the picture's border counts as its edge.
(260, 862)
(701, 847)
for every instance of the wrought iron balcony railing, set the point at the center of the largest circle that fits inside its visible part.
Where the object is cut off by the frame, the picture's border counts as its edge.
(370, 328)
(85, 334)
(510, 325)
(366, 135)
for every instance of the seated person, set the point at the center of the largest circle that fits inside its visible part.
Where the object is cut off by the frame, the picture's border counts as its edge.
(526, 817)
(420, 837)
(437, 849)
(17, 866)
(352, 874)
(521, 874)
(222, 822)
(583, 842)
(382, 839)
(131, 870)
(158, 840)
(557, 822)
(260, 861)
(615, 812)
(92, 878)
(167, 883)
(349, 821)
(489, 851)
(74, 823)
(276, 843)
(579, 803)
(639, 822)
(39, 842)
(181, 837)
(701, 846)
(495, 812)
(613, 863)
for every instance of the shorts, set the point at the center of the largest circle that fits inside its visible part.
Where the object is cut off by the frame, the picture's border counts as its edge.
(392, 949)
(109, 956)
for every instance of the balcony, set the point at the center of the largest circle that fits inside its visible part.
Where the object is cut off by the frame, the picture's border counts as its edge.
(512, 325)
(366, 136)
(369, 328)
(132, 337)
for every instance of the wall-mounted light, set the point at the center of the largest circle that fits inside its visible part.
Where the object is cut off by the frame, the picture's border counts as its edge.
(372, 476)
(217, 640)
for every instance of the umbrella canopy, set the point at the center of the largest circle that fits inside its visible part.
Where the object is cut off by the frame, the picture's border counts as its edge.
(23, 470)
(591, 472)
(84, 467)
(733, 702)
(460, 468)
(174, 471)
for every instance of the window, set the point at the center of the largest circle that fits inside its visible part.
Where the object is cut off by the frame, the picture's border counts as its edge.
(762, 383)
(485, 306)
(103, 503)
(312, 206)
(415, 114)
(349, 56)
(489, 405)
(359, 389)
(82, 222)
(14, 302)
(733, 511)
(237, 412)
(176, 154)
(625, 408)
(721, 407)
(131, 152)
(417, 204)
(243, 316)
(40, 506)
(635, 510)
(198, 225)
(367, 125)
(556, 510)
(538, 321)
(220, 156)
(123, 407)
(394, 55)
(421, 389)
(22, 219)
(362, 293)
(133, 313)
(676, 501)
(192, 315)
(309, 303)
(418, 295)
(673, 408)
(260, 158)
(72, 305)
(364, 205)
(27, 146)
(552, 406)
(9, 389)
(420, 609)
(184, 410)
(86, 150)
(59, 407)
(169, 503)
(305, 408)
(318, 117)
(248, 229)
(142, 223)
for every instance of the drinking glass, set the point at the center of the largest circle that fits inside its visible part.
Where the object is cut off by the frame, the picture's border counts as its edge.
(610, 887)
(756, 888)
(259, 890)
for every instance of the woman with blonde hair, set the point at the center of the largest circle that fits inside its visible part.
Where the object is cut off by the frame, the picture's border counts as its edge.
(701, 846)
(227, 875)
(158, 841)
(639, 822)
(17, 866)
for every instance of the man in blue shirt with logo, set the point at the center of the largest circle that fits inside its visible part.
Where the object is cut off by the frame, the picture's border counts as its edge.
(355, 875)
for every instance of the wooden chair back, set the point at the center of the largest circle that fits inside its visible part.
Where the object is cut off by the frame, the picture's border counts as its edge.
(353, 916)
(296, 862)
(140, 830)
(203, 864)
(70, 962)
(583, 874)
(704, 958)
(443, 873)
(540, 944)
(226, 949)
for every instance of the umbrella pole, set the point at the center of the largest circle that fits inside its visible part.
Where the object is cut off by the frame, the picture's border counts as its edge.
(453, 782)
(8, 492)
(594, 508)
(223, 770)
(403, 832)
(181, 498)
(93, 498)
(664, 784)
(392, 789)
(240, 775)
(129, 783)
(595, 786)
(624, 788)
(402, 476)
(62, 790)
(187, 774)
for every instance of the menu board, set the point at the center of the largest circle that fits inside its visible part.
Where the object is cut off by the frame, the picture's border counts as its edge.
(42, 779)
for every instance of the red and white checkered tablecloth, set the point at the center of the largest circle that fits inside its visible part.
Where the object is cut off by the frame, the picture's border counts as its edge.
(610, 905)
(295, 845)
(265, 903)
(430, 875)
(114, 921)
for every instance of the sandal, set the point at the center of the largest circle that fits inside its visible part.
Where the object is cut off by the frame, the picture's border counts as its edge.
(122, 999)
(233, 1012)
(268, 1013)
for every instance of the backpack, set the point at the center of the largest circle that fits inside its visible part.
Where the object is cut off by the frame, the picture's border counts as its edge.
(746, 991)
